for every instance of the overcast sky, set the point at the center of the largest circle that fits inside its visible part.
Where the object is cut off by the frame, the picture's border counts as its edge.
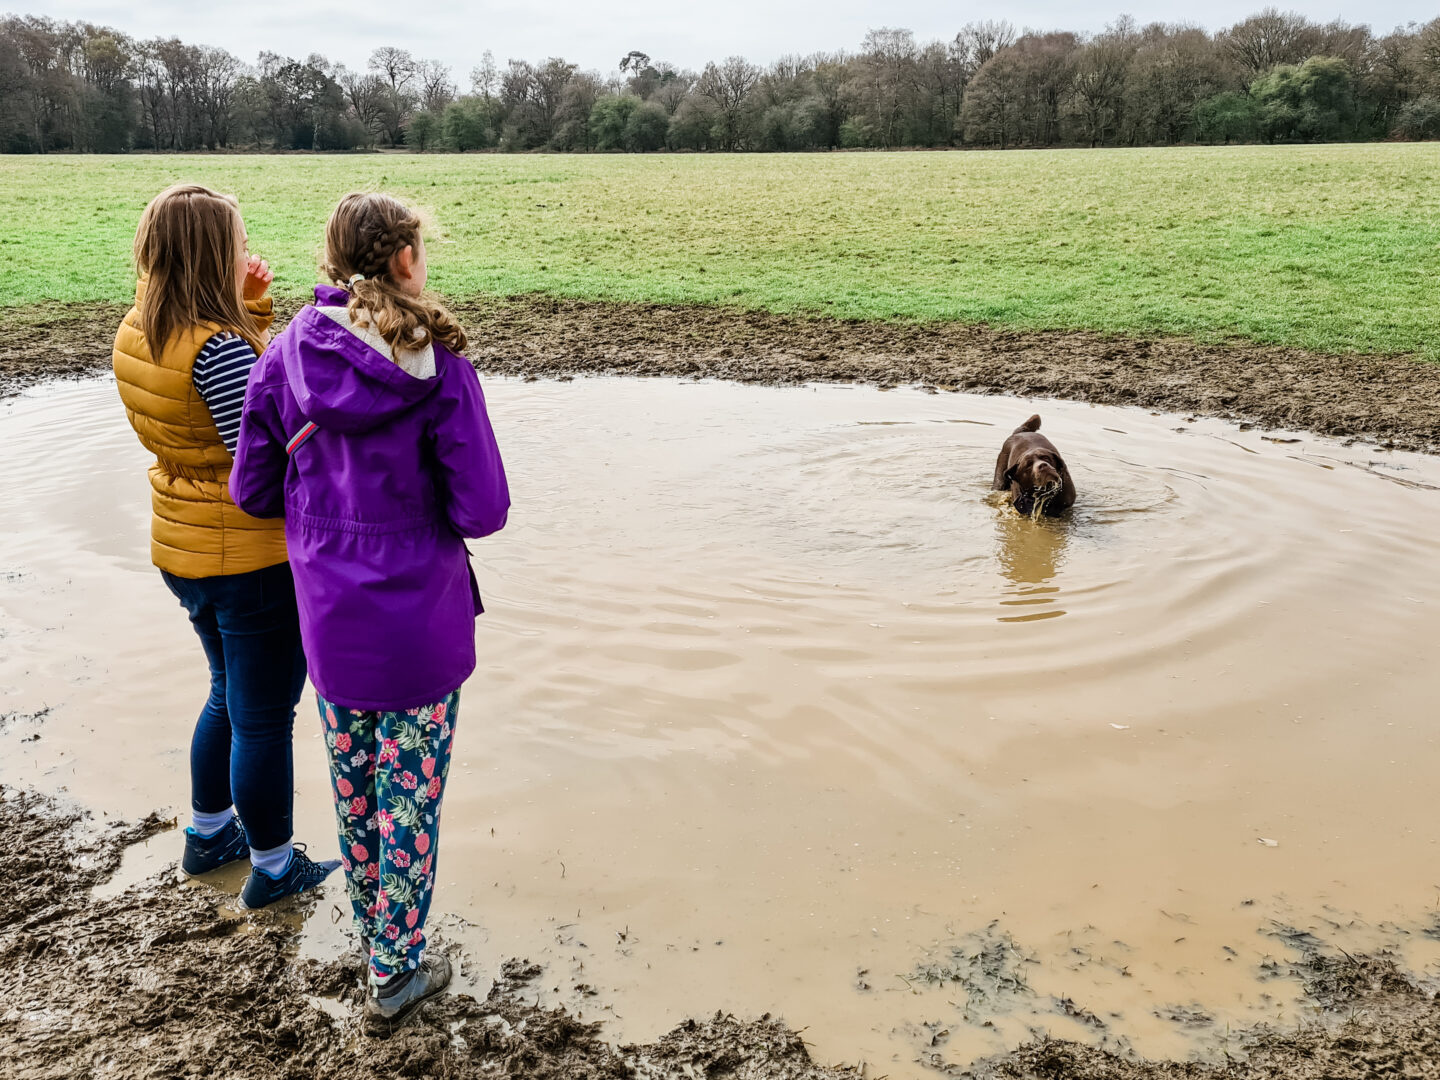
(596, 34)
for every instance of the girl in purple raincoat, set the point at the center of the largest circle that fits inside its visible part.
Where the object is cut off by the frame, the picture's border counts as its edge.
(365, 428)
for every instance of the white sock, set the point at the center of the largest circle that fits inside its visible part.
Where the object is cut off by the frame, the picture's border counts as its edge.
(272, 861)
(207, 825)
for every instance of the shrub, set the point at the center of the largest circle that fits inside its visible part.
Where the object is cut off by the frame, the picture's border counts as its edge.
(609, 118)
(1419, 119)
(855, 132)
(690, 127)
(424, 131)
(646, 128)
(1307, 101)
(1227, 117)
(466, 124)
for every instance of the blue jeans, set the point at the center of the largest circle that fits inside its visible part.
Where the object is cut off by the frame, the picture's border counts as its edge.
(242, 752)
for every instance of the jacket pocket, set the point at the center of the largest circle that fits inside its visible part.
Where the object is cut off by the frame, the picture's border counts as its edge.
(474, 589)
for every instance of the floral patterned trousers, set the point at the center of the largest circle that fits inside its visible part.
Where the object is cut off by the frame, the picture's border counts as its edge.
(388, 771)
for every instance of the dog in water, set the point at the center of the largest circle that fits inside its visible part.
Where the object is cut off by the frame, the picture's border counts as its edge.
(1034, 473)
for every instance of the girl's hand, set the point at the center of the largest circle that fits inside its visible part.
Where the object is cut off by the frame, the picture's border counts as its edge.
(257, 278)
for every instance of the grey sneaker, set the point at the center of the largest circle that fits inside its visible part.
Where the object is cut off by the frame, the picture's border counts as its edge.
(388, 1005)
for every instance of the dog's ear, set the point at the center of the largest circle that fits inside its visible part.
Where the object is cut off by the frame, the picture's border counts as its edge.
(1002, 474)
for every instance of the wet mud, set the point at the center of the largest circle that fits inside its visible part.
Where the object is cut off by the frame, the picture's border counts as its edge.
(167, 980)
(1369, 1018)
(1392, 400)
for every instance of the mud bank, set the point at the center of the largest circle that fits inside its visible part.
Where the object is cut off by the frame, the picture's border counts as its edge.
(1374, 1021)
(129, 985)
(1393, 400)
(166, 980)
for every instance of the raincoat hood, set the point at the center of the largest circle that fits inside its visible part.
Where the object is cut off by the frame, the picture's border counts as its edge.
(339, 381)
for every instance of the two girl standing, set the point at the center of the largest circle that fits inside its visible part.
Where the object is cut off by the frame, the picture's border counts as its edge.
(364, 428)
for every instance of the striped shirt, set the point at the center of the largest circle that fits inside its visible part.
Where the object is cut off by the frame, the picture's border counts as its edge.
(221, 371)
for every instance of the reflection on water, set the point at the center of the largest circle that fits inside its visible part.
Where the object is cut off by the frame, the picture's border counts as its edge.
(774, 703)
(1030, 553)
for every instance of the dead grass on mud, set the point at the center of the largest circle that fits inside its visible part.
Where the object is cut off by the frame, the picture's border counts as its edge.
(1392, 400)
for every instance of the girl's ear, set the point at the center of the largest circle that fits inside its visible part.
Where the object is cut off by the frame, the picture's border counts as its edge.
(402, 263)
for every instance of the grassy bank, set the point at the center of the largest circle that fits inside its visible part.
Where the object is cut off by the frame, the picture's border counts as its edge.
(1329, 248)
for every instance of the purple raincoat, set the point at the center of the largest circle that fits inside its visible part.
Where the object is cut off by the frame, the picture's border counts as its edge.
(379, 476)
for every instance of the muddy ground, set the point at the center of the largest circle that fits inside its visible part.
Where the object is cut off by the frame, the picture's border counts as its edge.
(1394, 400)
(167, 980)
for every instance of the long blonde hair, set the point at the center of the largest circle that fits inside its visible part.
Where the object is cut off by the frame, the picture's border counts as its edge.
(188, 249)
(364, 233)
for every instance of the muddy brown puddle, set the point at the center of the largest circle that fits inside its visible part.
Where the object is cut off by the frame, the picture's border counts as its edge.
(778, 711)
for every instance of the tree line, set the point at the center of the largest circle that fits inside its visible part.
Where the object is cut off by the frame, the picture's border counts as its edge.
(1276, 76)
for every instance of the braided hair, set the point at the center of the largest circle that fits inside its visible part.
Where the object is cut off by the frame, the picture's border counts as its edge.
(364, 234)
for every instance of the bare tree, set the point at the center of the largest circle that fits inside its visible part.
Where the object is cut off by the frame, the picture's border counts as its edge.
(485, 76)
(436, 89)
(1174, 69)
(830, 79)
(939, 88)
(992, 111)
(365, 95)
(399, 70)
(979, 41)
(396, 65)
(551, 79)
(1267, 39)
(1099, 83)
(888, 59)
(1427, 56)
(572, 114)
(726, 86)
(672, 87)
(216, 74)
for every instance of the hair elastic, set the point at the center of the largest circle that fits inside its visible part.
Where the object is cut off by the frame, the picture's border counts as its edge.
(353, 279)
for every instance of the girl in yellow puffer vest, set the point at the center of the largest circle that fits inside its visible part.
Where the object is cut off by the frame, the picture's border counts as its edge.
(182, 356)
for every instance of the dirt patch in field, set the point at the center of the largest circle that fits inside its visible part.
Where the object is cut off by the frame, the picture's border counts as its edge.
(59, 341)
(1393, 400)
(166, 980)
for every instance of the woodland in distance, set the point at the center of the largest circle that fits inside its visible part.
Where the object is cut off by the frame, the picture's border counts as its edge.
(1274, 77)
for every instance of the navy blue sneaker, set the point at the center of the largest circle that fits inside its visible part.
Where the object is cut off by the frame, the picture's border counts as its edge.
(206, 853)
(302, 873)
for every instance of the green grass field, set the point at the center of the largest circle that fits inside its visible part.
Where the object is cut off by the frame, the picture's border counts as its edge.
(1328, 247)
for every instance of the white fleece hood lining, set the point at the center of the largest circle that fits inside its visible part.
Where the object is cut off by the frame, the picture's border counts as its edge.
(419, 363)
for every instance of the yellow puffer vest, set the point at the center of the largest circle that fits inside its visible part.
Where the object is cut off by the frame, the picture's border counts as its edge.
(196, 530)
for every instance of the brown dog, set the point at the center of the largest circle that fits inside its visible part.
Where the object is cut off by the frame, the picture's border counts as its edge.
(1032, 470)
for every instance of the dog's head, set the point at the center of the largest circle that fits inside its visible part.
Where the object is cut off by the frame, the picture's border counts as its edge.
(1038, 469)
